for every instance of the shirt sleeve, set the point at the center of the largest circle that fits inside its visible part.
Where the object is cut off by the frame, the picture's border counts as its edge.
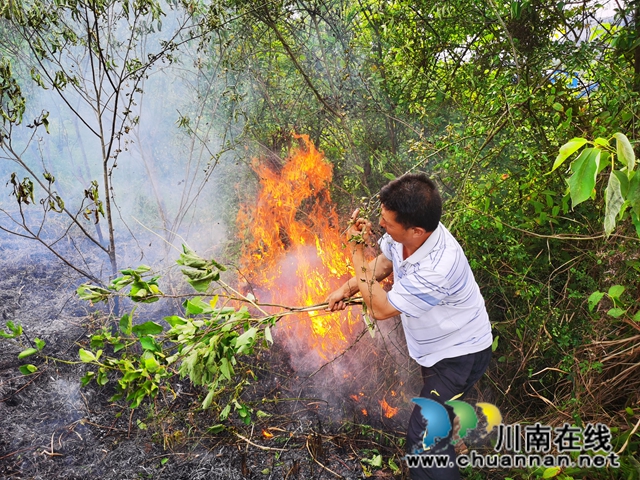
(385, 246)
(414, 294)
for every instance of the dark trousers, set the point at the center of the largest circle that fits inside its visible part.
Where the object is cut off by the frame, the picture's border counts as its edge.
(446, 379)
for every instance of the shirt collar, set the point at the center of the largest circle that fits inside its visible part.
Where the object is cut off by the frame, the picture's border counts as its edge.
(426, 247)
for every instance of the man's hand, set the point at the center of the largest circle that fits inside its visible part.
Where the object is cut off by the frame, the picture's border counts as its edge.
(336, 299)
(359, 231)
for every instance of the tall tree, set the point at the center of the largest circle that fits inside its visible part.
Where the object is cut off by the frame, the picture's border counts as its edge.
(95, 56)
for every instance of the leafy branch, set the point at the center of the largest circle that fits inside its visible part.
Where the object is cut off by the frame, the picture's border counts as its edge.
(205, 343)
(623, 186)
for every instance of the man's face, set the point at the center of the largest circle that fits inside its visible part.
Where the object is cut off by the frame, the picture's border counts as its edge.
(393, 228)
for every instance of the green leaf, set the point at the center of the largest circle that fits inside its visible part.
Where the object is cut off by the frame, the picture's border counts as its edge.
(602, 142)
(557, 107)
(583, 180)
(551, 472)
(267, 335)
(27, 353)
(28, 369)
(246, 340)
(126, 322)
(84, 381)
(151, 364)
(102, 379)
(195, 306)
(616, 312)
(625, 151)
(16, 330)
(86, 356)
(208, 399)
(567, 150)
(97, 341)
(201, 285)
(119, 283)
(494, 344)
(613, 203)
(636, 317)
(148, 343)
(594, 299)
(224, 414)
(225, 368)
(604, 161)
(216, 428)
(147, 328)
(624, 181)
(39, 343)
(615, 291)
(175, 320)
(394, 467)
(375, 461)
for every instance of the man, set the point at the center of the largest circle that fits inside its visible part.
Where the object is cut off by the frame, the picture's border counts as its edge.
(443, 313)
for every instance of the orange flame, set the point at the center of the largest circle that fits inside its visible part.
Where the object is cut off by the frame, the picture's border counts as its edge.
(293, 248)
(387, 410)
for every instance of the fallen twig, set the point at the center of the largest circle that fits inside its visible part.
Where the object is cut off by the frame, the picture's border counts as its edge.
(130, 420)
(261, 447)
(52, 453)
(34, 377)
(316, 460)
(16, 452)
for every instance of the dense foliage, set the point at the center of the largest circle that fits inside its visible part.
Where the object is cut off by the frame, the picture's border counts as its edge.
(481, 95)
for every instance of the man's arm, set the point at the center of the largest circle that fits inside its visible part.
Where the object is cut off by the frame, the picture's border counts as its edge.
(372, 292)
(381, 267)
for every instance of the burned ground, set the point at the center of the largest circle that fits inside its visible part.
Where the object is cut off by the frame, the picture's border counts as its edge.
(324, 426)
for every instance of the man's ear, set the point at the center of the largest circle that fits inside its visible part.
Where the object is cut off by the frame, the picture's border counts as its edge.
(419, 231)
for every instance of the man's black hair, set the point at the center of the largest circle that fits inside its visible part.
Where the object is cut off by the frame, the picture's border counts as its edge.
(415, 200)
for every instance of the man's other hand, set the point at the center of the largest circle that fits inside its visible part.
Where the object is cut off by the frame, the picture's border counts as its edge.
(336, 299)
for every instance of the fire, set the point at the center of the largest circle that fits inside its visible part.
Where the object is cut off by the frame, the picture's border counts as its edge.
(293, 247)
(387, 410)
(356, 398)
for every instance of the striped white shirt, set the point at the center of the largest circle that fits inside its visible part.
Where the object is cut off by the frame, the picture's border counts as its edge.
(443, 312)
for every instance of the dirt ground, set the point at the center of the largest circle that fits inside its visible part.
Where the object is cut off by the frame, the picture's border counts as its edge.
(323, 427)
